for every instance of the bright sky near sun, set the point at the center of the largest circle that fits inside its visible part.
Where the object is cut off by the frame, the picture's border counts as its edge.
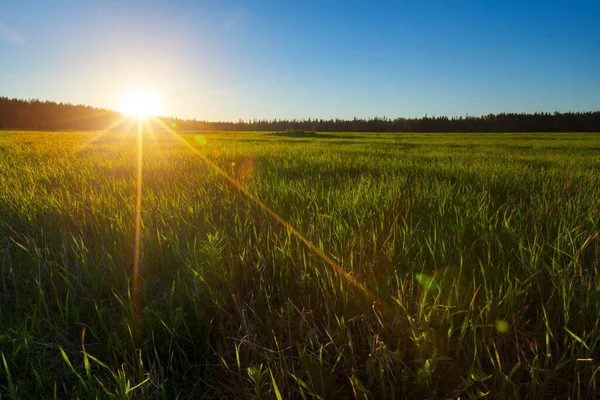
(225, 60)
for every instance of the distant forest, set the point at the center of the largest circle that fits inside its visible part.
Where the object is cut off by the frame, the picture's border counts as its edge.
(47, 115)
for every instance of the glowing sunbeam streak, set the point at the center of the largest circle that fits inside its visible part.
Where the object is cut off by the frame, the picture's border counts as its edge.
(335, 266)
(97, 136)
(138, 216)
(150, 129)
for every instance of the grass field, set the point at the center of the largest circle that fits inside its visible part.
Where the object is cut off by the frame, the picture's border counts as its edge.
(457, 265)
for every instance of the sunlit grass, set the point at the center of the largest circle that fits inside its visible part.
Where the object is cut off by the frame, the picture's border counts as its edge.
(479, 256)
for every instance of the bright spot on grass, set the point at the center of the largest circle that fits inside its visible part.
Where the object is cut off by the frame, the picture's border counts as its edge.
(426, 281)
(201, 140)
(502, 326)
(215, 154)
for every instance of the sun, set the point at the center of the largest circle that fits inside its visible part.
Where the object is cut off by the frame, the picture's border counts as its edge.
(140, 103)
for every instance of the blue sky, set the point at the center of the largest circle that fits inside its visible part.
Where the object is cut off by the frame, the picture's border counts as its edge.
(225, 60)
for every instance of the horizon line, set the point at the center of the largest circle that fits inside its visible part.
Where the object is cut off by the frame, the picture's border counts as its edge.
(250, 120)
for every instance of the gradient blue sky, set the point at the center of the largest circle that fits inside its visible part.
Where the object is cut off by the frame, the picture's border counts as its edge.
(224, 60)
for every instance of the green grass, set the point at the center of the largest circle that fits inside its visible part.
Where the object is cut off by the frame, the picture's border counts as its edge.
(480, 254)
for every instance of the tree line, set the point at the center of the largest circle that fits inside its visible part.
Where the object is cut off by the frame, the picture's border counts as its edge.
(48, 115)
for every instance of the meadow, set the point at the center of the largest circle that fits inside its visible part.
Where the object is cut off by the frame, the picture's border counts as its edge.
(401, 266)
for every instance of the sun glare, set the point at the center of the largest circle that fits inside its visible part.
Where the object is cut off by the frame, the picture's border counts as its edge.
(140, 104)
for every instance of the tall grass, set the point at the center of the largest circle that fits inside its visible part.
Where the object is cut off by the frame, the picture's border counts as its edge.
(480, 255)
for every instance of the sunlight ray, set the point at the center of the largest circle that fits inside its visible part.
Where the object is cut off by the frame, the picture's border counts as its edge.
(138, 214)
(328, 260)
(153, 135)
(88, 142)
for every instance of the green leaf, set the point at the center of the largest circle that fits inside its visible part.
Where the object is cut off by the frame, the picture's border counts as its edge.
(275, 388)
(580, 340)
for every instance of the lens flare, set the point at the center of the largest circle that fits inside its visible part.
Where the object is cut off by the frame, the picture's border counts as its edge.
(427, 281)
(502, 326)
(201, 140)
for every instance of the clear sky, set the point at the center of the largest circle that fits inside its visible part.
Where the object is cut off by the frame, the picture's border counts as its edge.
(225, 60)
